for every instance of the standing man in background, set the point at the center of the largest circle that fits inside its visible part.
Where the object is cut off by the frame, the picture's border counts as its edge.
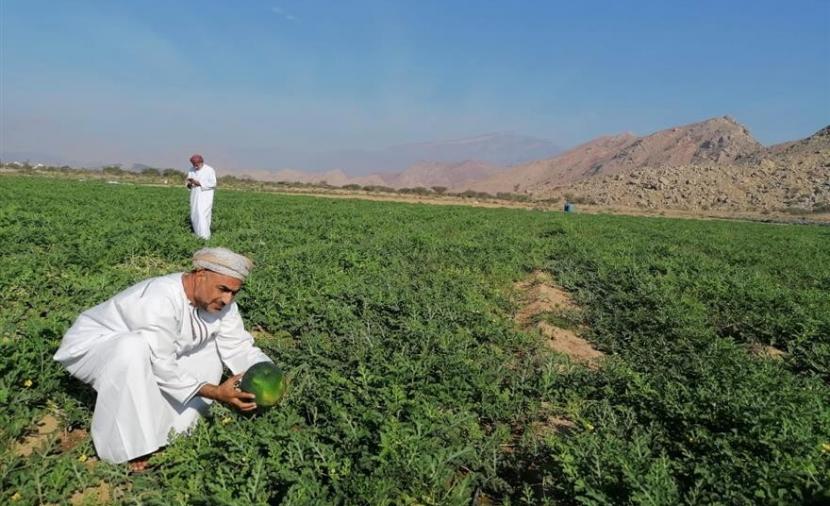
(201, 180)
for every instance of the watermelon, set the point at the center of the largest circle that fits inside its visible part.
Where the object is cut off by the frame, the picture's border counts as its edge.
(266, 381)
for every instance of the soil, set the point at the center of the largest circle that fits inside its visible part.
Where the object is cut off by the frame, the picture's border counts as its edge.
(72, 438)
(567, 342)
(46, 427)
(541, 296)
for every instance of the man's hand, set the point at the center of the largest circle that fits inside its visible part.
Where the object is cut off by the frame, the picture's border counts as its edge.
(229, 394)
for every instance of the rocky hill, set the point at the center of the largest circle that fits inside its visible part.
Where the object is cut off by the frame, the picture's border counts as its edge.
(719, 140)
(793, 176)
(570, 166)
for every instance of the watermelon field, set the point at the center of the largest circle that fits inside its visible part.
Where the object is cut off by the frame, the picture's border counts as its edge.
(411, 383)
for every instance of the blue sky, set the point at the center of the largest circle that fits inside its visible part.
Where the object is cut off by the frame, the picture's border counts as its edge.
(152, 81)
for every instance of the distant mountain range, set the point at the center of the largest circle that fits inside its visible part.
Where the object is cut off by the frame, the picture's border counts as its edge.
(712, 164)
(59, 161)
(452, 176)
(719, 140)
(500, 149)
(45, 159)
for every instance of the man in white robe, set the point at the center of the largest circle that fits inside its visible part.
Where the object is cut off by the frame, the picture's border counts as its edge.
(154, 355)
(201, 180)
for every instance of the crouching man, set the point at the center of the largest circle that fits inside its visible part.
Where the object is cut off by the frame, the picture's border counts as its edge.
(154, 355)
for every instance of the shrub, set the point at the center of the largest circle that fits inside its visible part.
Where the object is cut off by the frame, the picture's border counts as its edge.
(113, 170)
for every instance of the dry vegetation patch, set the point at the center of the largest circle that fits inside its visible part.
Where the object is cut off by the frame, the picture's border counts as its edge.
(766, 351)
(102, 494)
(551, 310)
(146, 265)
(553, 424)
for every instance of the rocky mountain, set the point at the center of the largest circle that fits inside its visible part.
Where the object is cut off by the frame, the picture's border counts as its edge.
(570, 166)
(793, 177)
(718, 140)
(807, 151)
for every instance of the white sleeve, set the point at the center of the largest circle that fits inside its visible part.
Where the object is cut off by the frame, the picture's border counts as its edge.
(236, 345)
(154, 317)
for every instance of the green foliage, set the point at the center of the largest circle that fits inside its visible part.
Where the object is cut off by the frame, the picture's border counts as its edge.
(151, 171)
(173, 173)
(420, 190)
(379, 188)
(113, 170)
(475, 195)
(410, 383)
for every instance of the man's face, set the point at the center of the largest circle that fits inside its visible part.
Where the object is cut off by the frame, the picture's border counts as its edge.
(213, 291)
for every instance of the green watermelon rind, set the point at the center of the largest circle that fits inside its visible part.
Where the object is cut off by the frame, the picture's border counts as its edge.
(264, 372)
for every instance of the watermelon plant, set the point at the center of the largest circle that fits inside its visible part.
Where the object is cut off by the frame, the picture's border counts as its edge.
(411, 384)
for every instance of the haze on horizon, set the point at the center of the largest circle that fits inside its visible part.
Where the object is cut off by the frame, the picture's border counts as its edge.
(289, 84)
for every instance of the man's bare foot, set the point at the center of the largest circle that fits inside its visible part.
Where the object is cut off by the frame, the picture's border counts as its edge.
(139, 464)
